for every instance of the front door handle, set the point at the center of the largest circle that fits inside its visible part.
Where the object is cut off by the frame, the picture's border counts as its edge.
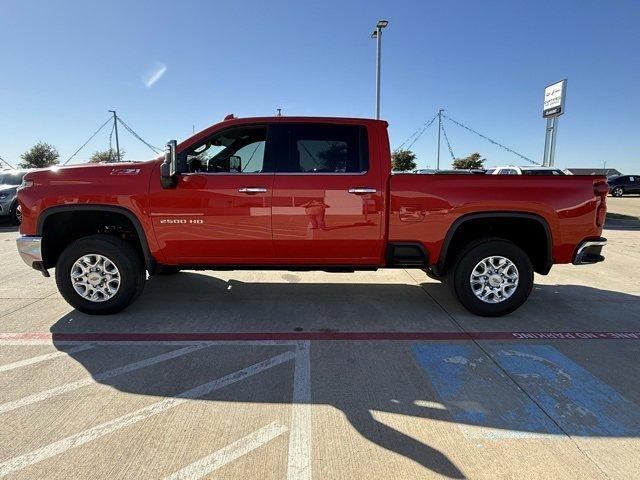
(362, 191)
(252, 190)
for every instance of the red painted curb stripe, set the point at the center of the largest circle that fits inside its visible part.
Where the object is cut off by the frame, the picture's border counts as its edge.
(257, 336)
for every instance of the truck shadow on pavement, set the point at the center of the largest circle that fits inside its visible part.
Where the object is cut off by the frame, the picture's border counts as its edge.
(627, 223)
(363, 379)
(197, 302)
(6, 227)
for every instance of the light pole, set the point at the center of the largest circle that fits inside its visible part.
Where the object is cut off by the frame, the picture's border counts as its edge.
(377, 34)
(439, 130)
(115, 126)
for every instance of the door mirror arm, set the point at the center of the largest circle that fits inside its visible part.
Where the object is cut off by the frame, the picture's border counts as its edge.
(168, 168)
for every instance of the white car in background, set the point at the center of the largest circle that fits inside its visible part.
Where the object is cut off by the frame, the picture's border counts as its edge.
(533, 170)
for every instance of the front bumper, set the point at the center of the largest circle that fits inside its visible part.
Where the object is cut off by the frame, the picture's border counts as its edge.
(30, 249)
(589, 252)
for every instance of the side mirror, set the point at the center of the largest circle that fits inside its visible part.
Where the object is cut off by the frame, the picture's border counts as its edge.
(168, 168)
(235, 164)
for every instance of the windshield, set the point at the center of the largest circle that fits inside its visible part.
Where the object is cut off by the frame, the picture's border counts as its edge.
(11, 178)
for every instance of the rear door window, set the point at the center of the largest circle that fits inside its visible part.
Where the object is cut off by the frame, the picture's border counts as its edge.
(318, 148)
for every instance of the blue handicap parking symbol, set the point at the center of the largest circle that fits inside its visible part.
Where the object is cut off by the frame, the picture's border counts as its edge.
(542, 392)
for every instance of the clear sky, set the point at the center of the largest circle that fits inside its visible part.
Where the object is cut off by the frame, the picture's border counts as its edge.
(168, 67)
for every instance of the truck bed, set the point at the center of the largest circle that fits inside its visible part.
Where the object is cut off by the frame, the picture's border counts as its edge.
(424, 207)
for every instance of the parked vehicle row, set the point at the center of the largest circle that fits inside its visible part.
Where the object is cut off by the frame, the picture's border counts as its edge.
(527, 170)
(507, 170)
(9, 205)
(619, 185)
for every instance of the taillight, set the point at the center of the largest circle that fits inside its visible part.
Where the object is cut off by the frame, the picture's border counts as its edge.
(601, 189)
(601, 215)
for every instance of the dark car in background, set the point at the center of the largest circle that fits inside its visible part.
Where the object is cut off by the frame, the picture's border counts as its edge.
(10, 180)
(623, 184)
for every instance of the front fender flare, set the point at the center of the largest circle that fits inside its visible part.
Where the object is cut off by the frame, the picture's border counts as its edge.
(150, 262)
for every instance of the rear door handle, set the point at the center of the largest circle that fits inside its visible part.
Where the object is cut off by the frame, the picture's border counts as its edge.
(252, 190)
(362, 191)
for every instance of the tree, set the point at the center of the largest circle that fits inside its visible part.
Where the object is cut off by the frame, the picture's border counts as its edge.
(105, 156)
(41, 155)
(334, 157)
(473, 161)
(403, 161)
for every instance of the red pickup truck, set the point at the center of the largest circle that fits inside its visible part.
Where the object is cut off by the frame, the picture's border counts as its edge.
(298, 193)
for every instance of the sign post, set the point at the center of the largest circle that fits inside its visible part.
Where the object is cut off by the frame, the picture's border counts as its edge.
(553, 107)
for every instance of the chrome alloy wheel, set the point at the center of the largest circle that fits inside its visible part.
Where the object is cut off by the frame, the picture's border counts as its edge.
(19, 213)
(494, 279)
(95, 277)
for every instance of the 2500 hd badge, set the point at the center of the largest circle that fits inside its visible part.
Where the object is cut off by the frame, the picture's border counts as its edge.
(181, 220)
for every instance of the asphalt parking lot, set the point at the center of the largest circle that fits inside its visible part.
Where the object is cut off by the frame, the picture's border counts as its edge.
(274, 375)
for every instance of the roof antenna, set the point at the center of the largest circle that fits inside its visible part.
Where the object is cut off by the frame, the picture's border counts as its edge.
(279, 112)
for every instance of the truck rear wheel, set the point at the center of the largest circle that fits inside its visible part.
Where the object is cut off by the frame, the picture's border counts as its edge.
(492, 277)
(100, 274)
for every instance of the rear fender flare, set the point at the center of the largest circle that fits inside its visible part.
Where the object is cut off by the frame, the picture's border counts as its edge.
(441, 265)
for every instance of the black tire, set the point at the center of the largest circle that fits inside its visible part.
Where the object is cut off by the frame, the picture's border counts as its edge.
(14, 216)
(123, 256)
(617, 191)
(473, 254)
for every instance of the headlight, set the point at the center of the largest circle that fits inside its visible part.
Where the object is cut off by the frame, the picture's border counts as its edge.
(3, 196)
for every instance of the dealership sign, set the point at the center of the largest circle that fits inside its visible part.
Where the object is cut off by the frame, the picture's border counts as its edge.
(554, 99)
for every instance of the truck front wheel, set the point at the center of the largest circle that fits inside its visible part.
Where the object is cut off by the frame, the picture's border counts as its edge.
(100, 274)
(492, 277)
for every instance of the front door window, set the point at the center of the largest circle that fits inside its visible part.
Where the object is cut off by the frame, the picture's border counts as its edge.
(237, 150)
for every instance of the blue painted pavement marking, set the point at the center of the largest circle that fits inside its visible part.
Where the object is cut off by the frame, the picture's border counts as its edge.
(478, 394)
(482, 400)
(579, 402)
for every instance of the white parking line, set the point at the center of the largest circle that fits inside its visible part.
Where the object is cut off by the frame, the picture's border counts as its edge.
(229, 453)
(68, 387)
(43, 358)
(299, 464)
(61, 446)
